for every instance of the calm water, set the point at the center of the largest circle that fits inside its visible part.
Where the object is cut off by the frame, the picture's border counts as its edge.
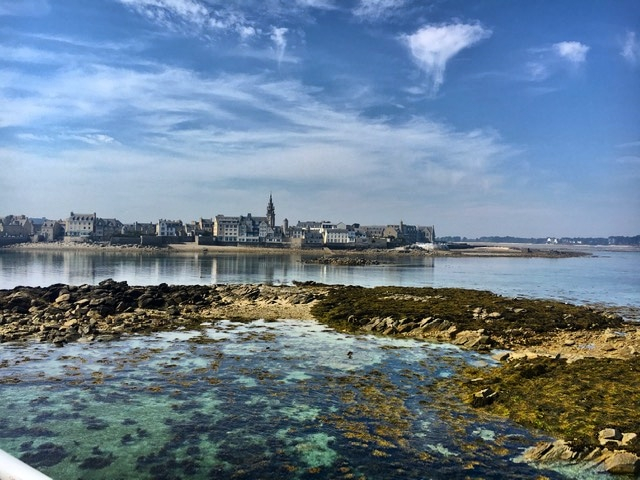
(271, 400)
(611, 278)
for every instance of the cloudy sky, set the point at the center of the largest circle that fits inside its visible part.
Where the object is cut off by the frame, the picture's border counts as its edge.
(485, 117)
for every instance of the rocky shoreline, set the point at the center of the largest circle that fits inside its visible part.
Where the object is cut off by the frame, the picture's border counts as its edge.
(547, 340)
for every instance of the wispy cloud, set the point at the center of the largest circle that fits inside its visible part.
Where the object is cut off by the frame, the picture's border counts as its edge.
(573, 52)
(631, 49)
(238, 128)
(279, 40)
(167, 12)
(434, 45)
(550, 60)
(373, 10)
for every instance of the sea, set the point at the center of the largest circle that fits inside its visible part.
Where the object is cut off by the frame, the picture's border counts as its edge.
(284, 399)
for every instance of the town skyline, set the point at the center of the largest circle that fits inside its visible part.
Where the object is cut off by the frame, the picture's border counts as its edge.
(484, 118)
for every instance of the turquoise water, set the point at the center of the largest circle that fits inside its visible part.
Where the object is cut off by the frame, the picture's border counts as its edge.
(255, 400)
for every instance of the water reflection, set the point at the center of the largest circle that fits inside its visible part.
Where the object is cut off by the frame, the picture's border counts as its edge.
(611, 279)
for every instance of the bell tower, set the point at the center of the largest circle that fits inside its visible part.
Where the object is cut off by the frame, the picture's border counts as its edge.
(271, 213)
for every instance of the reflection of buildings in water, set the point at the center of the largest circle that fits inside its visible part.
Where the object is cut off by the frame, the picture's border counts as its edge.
(415, 271)
(242, 268)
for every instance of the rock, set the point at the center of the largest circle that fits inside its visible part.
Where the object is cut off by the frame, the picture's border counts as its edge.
(628, 439)
(65, 297)
(501, 356)
(550, 452)
(622, 463)
(471, 339)
(483, 397)
(607, 435)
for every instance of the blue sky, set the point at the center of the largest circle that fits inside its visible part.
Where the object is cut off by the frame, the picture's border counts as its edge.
(486, 117)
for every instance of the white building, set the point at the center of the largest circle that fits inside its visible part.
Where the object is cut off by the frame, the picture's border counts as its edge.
(169, 228)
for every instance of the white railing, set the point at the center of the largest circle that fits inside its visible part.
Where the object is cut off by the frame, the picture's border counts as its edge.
(13, 469)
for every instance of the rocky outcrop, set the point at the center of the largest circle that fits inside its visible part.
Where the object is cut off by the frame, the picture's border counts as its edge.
(427, 328)
(65, 313)
(600, 459)
(343, 260)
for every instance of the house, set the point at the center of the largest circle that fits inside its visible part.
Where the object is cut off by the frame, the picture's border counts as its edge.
(169, 228)
(338, 236)
(107, 228)
(138, 228)
(16, 226)
(80, 226)
(52, 230)
(372, 231)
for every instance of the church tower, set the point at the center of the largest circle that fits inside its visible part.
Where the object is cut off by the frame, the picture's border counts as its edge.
(271, 213)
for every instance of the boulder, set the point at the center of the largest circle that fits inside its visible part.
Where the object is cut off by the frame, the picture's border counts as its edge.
(607, 435)
(65, 297)
(550, 452)
(622, 463)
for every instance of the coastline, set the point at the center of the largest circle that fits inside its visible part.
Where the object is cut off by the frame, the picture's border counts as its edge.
(476, 250)
(550, 340)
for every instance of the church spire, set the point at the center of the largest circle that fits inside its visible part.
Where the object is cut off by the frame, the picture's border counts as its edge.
(271, 213)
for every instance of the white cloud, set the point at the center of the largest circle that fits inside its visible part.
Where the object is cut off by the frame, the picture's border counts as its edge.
(631, 49)
(226, 132)
(573, 52)
(161, 11)
(434, 45)
(376, 9)
(279, 40)
(319, 4)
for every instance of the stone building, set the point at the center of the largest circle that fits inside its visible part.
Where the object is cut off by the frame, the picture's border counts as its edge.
(52, 231)
(107, 228)
(80, 226)
(248, 228)
(16, 226)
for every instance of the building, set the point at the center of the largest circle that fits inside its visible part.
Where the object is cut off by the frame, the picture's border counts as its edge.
(271, 213)
(169, 228)
(107, 228)
(52, 231)
(226, 229)
(403, 234)
(138, 228)
(248, 229)
(338, 236)
(80, 226)
(16, 226)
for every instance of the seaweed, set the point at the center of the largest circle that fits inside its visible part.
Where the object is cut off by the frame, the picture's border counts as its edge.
(573, 401)
(351, 307)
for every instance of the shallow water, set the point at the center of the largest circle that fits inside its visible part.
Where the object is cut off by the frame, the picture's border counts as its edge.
(609, 278)
(249, 400)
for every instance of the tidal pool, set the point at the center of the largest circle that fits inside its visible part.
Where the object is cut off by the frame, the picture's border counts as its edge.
(252, 400)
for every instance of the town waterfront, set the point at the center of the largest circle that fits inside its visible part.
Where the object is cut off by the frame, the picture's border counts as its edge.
(281, 399)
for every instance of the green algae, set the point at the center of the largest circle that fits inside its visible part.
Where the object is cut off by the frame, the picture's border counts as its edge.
(573, 401)
(515, 320)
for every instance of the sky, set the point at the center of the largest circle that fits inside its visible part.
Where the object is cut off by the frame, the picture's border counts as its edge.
(491, 117)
